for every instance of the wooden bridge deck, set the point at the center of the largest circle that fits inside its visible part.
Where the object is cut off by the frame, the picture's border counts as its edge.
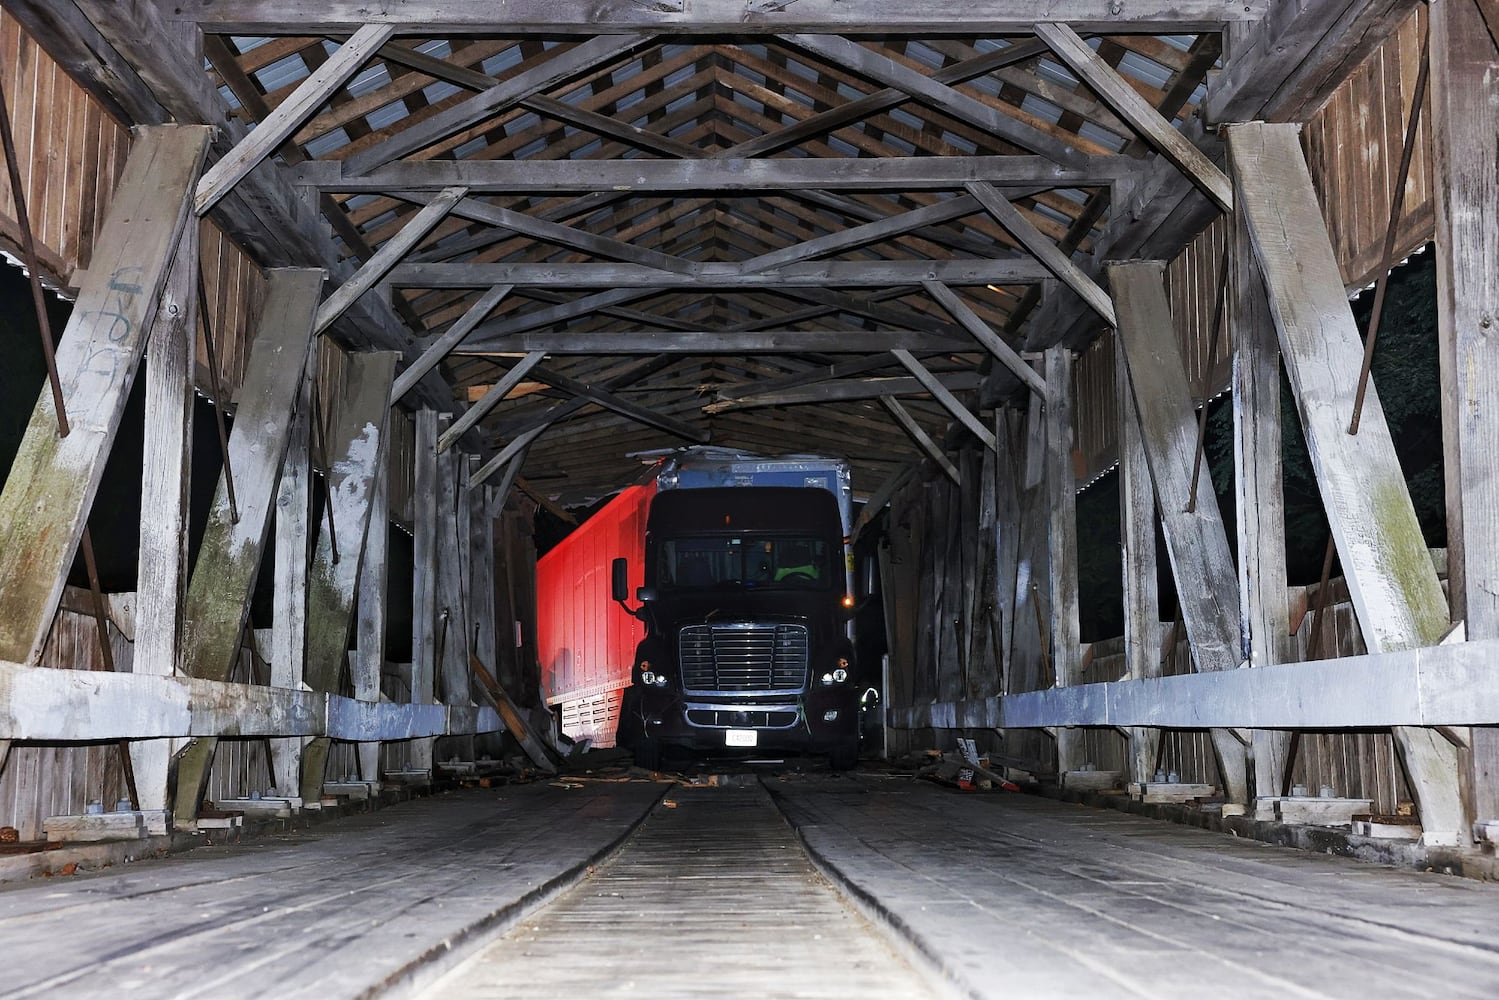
(1000, 895)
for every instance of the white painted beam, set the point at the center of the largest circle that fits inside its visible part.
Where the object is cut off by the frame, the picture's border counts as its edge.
(62, 705)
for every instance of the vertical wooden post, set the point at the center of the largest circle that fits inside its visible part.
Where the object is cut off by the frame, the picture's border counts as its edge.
(294, 526)
(451, 522)
(1259, 500)
(161, 580)
(369, 642)
(1061, 534)
(1465, 119)
(46, 498)
(424, 519)
(1195, 539)
(1142, 599)
(360, 408)
(482, 576)
(1391, 579)
(223, 578)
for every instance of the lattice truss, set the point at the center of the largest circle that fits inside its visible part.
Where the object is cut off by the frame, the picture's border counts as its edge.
(643, 270)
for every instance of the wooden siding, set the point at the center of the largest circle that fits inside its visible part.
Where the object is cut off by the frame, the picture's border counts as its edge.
(71, 154)
(1353, 148)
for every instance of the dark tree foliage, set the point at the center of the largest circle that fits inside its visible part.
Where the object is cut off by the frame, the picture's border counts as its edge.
(1409, 387)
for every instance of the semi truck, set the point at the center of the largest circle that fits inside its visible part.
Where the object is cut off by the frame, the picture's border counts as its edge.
(741, 582)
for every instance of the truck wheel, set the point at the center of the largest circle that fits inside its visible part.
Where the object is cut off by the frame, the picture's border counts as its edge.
(648, 754)
(845, 755)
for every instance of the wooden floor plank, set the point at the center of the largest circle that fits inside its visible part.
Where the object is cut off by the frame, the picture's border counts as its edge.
(712, 897)
(324, 913)
(1092, 900)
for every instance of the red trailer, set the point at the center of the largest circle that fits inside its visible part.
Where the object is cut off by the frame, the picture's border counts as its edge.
(587, 641)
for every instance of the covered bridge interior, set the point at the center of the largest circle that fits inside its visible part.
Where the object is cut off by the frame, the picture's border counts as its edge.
(331, 314)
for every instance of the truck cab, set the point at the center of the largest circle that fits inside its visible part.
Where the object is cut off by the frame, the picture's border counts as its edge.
(746, 651)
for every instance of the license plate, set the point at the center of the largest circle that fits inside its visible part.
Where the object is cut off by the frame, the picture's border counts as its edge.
(741, 737)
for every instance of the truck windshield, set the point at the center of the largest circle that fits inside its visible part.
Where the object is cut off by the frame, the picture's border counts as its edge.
(785, 562)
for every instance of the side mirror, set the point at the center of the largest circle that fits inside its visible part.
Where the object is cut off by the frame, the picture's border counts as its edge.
(620, 581)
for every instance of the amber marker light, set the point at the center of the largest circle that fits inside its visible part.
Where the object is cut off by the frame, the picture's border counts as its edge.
(848, 600)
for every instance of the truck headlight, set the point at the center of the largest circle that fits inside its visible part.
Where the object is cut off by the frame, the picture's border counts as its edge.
(840, 675)
(652, 678)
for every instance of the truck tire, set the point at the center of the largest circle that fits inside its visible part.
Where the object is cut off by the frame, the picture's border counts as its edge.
(845, 754)
(648, 754)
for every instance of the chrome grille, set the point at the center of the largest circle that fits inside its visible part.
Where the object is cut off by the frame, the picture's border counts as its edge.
(743, 657)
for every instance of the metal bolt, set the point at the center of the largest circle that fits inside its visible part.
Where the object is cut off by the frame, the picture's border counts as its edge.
(1116, 7)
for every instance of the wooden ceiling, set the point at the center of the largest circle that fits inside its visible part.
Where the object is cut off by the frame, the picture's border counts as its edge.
(703, 266)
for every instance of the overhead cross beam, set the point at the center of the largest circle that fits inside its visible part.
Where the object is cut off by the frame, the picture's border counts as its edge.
(720, 342)
(618, 177)
(737, 17)
(829, 274)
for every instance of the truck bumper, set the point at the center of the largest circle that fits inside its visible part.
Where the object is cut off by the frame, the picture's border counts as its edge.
(780, 724)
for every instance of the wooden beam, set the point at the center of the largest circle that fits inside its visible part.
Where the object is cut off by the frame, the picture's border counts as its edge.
(870, 63)
(1047, 252)
(263, 214)
(921, 438)
(578, 59)
(311, 94)
(625, 408)
(718, 342)
(1464, 68)
(712, 17)
(1427, 687)
(728, 174)
(42, 705)
(367, 661)
(161, 574)
(818, 274)
(1393, 585)
(984, 334)
(1127, 103)
(223, 578)
(355, 437)
(1141, 590)
(295, 526)
(454, 335)
(45, 502)
(424, 573)
(943, 395)
(224, 575)
(744, 397)
(1259, 501)
(567, 236)
(451, 513)
(1060, 498)
(1287, 64)
(513, 456)
(492, 397)
(372, 271)
(1196, 541)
